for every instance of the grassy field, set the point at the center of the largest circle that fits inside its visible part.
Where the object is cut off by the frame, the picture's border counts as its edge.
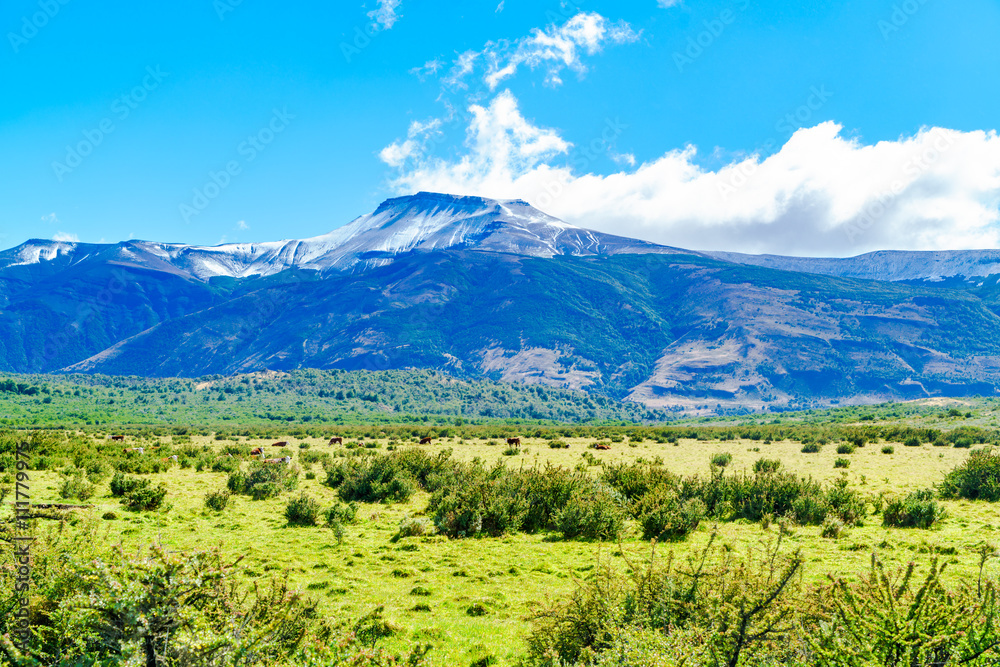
(510, 575)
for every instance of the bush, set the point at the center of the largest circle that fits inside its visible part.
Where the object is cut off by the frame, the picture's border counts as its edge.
(978, 478)
(217, 500)
(912, 441)
(842, 463)
(810, 448)
(413, 527)
(888, 449)
(593, 512)
(722, 459)
(917, 510)
(664, 516)
(765, 466)
(832, 528)
(341, 513)
(845, 448)
(146, 497)
(372, 479)
(122, 484)
(263, 480)
(302, 511)
(76, 486)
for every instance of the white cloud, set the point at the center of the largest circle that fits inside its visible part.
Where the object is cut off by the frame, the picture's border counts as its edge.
(821, 194)
(242, 225)
(556, 48)
(428, 69)
(666, 4)
(385, 14)
(500, 6)
(501, 146)
(626, 159)
(398, 153)
(51, 218)
(64, 237)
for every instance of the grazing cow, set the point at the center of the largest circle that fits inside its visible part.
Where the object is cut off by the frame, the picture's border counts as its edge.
(603, 447)
(118, 438)
(130, 450)
(336, 441)
(514, 441)
(280, 444)
(256, 451)
(426, 441)
(287, 460)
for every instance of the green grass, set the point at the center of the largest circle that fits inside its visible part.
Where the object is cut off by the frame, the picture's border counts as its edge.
(508, 576)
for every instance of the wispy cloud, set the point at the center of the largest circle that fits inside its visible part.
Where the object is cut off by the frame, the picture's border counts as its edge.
(242, 225)
(385, 14)
(821, 194)
(666, 4)
(427, 70)
(65, 237)
(555, 48)
(50, 218)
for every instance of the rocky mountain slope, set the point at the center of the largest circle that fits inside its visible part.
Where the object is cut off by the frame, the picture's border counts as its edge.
(498, 289)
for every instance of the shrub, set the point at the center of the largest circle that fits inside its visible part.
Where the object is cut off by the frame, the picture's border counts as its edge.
(76, 486)
(888, 449)
(122, 484)
(845, 448)
(146, 497)
(413, 527)
(722, 459)
(765, 466)
(912, 441)
(665, 516)
(372, 479)
(832, 528)
(217, 500)
(341, 513)
(842, 463)
(263, 480)
(917, 510)
(109, 516)
(978, 478)
(593, 512)
(810, 448)
(302, 511)
(513, 450)
(963, 442)
(558, 444)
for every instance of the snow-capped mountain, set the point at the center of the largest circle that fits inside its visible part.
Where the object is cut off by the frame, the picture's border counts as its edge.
(422, 222)
(884, 265)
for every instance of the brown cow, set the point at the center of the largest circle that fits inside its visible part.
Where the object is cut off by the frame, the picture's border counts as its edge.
(280, 444)
(514, 441)
(602, 447)
(119, 438)
(426, 441)
(256, 451)
(134, 449)
(336, 441)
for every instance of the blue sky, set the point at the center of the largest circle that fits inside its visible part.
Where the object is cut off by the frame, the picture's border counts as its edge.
(810, 128)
